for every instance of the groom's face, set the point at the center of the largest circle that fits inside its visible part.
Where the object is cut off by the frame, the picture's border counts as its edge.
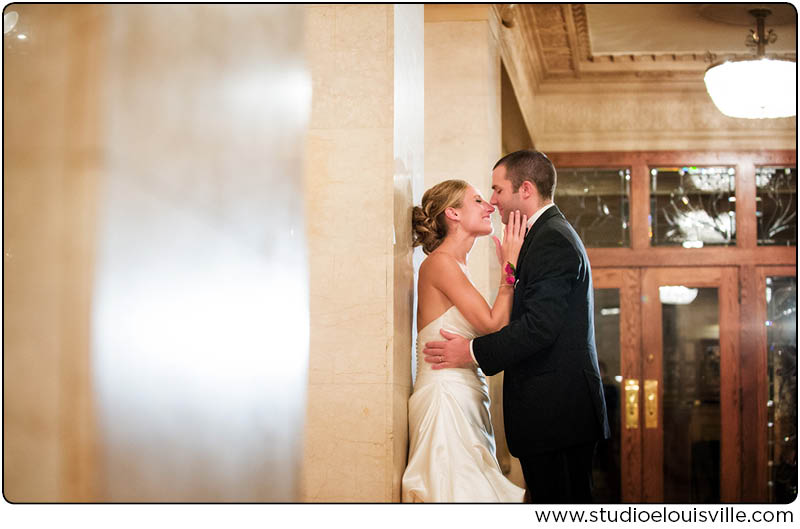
(503, 197)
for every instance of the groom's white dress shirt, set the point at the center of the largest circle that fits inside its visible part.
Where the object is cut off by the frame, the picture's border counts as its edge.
(530, 222)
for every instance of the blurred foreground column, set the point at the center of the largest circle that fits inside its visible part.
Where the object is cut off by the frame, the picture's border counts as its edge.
(200, 313)
(365, 163)
(52, 151)
(155, 316)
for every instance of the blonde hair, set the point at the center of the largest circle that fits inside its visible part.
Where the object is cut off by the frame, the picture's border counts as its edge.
(428, 220)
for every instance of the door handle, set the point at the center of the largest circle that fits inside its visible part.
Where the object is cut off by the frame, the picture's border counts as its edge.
(631, 404)
(651, 403)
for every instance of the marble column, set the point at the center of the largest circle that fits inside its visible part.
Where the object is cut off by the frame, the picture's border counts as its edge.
(463, 138)
(364, 164)
(462, 111)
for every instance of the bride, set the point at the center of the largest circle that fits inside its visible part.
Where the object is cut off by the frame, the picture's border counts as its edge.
(452, 449)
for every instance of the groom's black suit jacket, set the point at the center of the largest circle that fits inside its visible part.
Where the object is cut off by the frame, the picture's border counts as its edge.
(552, 391)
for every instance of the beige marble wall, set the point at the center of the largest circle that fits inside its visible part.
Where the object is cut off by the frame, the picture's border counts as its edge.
(362, 165)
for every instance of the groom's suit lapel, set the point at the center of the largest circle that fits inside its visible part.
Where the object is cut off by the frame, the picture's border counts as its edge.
(551, 212)
(525, 245)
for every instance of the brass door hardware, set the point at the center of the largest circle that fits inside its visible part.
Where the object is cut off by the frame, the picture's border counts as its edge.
(631, 403)
(651, 403)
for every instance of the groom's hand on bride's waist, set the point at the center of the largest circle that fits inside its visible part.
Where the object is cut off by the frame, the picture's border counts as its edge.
(453, 352)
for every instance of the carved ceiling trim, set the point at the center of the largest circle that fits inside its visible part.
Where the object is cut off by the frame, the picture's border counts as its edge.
(548, 22)
(581, 30)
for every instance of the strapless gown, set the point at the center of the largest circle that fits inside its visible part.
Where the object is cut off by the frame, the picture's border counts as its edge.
(452, 455)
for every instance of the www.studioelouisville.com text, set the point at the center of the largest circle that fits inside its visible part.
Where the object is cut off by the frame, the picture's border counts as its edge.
(665, 514)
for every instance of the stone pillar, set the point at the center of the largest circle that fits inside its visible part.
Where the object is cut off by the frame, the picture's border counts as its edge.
(463, 138)
(462, 111)
(364, 161)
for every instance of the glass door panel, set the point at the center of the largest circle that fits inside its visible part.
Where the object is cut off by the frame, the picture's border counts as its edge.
(606, 470)
(691, 390)
(781, 324)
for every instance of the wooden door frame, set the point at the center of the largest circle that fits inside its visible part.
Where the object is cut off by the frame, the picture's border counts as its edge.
(725, 279)
(627, 280)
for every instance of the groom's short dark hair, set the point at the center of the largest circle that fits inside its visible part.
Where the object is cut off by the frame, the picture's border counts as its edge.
(533, 166)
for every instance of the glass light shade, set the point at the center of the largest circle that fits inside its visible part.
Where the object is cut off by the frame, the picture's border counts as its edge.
(754, 88)
(676, 295)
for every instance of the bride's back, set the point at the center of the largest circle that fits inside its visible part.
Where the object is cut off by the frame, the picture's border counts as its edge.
(432, 302)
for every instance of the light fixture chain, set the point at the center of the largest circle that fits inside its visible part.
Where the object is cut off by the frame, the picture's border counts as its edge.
(758, 36)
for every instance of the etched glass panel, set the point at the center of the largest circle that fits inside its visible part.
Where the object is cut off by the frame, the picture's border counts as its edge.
(693, 206)
(606, 464)
(776, 205)
(781, 424)
(596, 203)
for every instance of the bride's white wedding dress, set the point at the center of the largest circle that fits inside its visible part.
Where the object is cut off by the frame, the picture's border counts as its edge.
(451, 456)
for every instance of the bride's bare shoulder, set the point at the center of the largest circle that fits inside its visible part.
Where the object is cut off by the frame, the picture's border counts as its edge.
(436, 264)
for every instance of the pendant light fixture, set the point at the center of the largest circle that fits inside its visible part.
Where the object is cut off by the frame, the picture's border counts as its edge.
(758, 87)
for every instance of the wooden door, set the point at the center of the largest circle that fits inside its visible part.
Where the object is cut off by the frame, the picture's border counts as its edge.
(690, 375)
(671, 375)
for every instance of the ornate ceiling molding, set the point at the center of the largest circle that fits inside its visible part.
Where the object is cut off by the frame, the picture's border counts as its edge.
(559, 50)
(571, 99)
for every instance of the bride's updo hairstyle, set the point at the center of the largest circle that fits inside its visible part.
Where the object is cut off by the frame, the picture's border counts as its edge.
(428, 220)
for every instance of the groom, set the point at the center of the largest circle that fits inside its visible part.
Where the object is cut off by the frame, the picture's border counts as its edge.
(552, 392)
